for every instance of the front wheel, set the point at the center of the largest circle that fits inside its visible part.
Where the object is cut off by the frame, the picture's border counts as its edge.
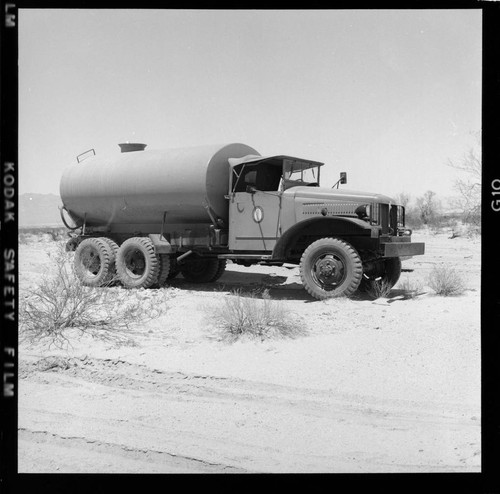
(330, 267)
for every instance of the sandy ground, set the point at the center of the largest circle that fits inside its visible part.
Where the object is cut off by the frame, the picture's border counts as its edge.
(391, 385)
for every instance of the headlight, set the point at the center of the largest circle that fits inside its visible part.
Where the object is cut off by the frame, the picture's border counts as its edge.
(363, 212)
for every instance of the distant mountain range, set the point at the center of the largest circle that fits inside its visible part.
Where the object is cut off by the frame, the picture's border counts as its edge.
(39, 210)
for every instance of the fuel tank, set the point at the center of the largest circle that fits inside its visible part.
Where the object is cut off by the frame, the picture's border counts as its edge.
(140, 186)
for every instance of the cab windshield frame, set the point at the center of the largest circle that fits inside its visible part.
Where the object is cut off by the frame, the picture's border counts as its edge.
(294, 173)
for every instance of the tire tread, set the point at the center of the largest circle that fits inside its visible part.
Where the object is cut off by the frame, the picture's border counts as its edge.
(357, 268)
(150, 277)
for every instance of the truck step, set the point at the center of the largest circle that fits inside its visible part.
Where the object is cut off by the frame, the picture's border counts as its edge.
(258, 257)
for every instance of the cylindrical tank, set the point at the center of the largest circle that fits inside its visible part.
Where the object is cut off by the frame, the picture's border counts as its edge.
(138, 187)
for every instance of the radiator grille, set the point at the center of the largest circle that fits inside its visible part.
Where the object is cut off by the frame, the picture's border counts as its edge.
(397, 218)
(384, 217)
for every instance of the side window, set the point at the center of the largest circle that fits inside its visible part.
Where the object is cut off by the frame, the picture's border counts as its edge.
(248, 177)
(262, 176)
(268, 177)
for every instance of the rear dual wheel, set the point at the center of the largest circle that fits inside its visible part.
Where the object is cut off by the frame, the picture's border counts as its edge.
(164, 272)
(94, 261)
(137, 264)
(169, 269)
(199, 270)
(202, 270)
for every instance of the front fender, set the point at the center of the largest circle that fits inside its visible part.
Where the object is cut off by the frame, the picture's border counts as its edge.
(322, 227)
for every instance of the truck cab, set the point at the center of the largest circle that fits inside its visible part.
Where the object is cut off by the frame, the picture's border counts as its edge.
(277, 210)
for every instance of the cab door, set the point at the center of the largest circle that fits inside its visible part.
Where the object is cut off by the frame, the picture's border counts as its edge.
(254, 220)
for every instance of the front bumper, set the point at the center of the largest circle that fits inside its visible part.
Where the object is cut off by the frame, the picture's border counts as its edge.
(399, 249)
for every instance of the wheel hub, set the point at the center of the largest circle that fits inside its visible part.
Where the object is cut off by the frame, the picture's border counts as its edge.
(91, 261)
(136, 263)
(329, 271)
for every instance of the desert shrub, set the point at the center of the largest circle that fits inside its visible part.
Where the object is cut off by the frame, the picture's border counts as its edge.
(56, 234)
(463, 229)
(31, 234)
(378, 289)
(256, 317)
(468, 183)
(472, 230)
(428, 207)
(439, 222)
(446, 281)
(410, 288)
(59, 304)
(24, 238)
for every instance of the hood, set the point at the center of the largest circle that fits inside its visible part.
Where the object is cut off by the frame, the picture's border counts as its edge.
(326, 194)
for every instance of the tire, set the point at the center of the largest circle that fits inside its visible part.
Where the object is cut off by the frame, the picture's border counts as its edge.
(200, 270)
(114, 249)
(220, 269)
(174, 269)
(330, 267)
(165, 265)
(94, 262)
(385, 272)
(137, 264)
(112, 244)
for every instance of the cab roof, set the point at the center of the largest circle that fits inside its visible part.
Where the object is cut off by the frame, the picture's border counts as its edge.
(253, 158)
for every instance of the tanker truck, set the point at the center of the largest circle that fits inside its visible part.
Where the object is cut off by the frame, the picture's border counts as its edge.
(143, 216)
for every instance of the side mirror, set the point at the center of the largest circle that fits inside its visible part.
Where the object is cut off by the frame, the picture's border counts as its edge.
(341, 180)
(251, 189)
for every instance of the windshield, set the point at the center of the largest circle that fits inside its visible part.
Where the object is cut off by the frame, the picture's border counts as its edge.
(297, 172)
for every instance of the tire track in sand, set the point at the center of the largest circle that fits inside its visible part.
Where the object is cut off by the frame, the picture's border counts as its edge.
(229, 424)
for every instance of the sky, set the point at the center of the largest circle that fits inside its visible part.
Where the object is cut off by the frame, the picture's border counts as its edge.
(388, 96)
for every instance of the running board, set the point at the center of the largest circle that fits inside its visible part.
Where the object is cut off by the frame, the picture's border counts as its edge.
(257, 257)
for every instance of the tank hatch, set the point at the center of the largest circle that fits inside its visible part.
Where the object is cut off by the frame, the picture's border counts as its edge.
(127, 147)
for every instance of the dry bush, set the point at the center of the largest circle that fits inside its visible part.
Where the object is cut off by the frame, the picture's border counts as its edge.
(463, 229)
(446, 281)
(56, 234)
(378, 289)
(25, 238)
(428, 207)
(248, 315)
(59, 305)
(410, 288)
(472, 230)
(35, 234)
(468, 184)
